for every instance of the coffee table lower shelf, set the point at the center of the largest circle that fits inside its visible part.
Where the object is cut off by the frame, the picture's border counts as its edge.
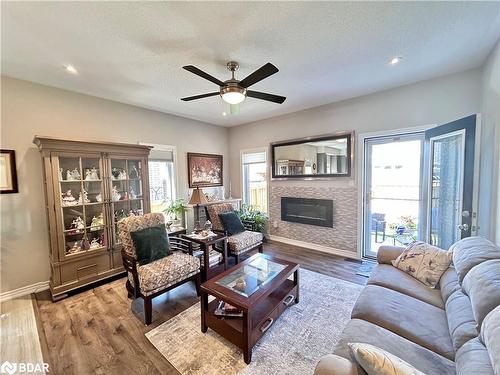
(246, 331)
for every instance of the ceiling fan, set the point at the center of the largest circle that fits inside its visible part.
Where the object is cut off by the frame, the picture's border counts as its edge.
(234, 91)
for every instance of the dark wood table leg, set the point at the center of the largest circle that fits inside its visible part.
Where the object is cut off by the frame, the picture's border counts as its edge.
(247, 333)
(296, 282)
(206, 261)
(204, 309)
(224, 254)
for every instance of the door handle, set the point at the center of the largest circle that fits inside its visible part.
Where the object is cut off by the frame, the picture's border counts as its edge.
(464, 227)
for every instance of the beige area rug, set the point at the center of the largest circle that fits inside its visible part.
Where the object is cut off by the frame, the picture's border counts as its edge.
(293, 345)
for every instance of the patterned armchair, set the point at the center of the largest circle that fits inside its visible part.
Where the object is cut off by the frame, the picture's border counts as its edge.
(240, 243)
(152, 279)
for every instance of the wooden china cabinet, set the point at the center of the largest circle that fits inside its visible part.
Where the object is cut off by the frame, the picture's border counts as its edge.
(89, 186)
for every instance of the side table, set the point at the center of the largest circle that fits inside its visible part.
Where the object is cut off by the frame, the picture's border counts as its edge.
(206, 244)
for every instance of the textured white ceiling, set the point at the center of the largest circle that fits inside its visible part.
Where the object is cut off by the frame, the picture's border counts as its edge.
(132, 52)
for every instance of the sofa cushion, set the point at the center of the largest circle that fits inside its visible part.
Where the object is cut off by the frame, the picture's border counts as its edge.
(231, 222)
(473, 358)
(406, 316)
(333, 364)
(470, 252)
(376, 361)
(167, 271)
(424, 262)
(421, 358)
(151, 244)
(490, 337)
(214, 210)
(482, 285)
(449, 283)
(241, 242)
(461, 321)
(390, 277)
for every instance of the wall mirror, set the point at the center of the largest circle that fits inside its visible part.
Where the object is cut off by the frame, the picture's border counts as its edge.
(313, 157)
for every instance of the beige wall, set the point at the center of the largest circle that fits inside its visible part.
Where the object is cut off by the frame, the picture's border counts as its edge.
(29, 109)
(425, 103)
(430, 102)
(490, 159)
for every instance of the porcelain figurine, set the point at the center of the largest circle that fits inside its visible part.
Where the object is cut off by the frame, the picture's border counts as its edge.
(68, 199)
(75, 249)
(82, 198)
(98, 198)
(75, 174)
(102, 241)
(115, 195)
(132, 194)
(94, 244)
(69, 177)
(97, 223)
(118, 174)
(134, 173)
(60, 173)
(91, 174)
(85, 244)
(79, 224)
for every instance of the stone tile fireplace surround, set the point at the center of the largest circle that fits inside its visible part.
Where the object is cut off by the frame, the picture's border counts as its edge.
(341, 239)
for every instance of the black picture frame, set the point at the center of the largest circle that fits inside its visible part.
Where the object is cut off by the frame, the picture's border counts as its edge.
(349, 147)
(8, 172)
(213, 161)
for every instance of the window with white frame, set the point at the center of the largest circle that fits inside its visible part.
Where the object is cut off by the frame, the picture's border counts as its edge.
(161, 177)
(254, 184)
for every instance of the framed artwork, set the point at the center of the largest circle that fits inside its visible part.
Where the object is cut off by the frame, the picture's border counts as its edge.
(204, 170)
(8, 174)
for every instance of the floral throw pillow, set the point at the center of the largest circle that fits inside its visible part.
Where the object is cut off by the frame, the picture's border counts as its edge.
(424, 262)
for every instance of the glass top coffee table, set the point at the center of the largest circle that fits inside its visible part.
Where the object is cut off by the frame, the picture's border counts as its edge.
(259, 290)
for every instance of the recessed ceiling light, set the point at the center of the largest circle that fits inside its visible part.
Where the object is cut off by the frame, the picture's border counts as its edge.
(395, 60)
(71, 69)
(224, 114)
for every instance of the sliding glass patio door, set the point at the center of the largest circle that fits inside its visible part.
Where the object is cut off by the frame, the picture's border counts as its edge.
(420, 186)
(393, 194)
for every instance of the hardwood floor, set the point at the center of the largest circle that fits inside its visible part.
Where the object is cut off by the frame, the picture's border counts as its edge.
(101, 331)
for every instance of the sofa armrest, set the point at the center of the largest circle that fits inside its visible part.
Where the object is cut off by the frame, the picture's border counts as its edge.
(332, 364)
(387, 253)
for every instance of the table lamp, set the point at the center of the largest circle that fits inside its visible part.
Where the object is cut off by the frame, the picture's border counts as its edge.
(197, 198)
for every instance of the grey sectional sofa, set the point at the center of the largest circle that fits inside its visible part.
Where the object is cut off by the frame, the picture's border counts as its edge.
(453, 329)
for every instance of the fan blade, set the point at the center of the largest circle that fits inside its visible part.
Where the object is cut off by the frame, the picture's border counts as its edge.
(199, 96)
(202, 74)
(261, 73)
(264, 96)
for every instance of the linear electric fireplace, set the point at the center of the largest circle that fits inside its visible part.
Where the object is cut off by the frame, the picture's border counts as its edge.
(307, 211)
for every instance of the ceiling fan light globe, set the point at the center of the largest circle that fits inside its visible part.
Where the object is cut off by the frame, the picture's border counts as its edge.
(233, 97)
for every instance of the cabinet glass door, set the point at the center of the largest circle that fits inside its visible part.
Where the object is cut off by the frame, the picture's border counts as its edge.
(126, 190)
(81, 206)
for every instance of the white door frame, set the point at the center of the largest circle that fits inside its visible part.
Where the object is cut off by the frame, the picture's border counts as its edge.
(360, 167)
(268, 175)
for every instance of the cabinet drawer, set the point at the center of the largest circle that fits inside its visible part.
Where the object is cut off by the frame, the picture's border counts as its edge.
(85, 269)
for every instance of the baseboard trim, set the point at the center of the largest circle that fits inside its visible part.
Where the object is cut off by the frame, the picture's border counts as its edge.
(313, 246)
(25, 290)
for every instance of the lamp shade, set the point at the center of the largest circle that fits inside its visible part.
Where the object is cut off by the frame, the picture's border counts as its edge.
(198, 197)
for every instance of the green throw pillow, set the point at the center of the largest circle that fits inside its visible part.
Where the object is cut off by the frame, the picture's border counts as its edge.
(150, 244)
(231, 223)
